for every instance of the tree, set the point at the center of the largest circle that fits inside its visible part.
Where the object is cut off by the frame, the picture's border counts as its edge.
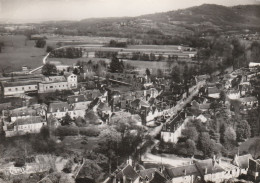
(159, 73)
(49, 69)
(243, 130)
(190, 147)
(66, 120)
(229, 138)
(148, 72)
(49, 49)
(91, 117)
(222, 96)
(115, 65)
(205, 144)
(80, 122)
(191, 133)
(175, 74)
(40, 43)
(254, 148)
(45, 132)
(109, 139)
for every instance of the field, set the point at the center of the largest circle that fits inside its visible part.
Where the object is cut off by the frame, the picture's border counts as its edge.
(79, 40)
(18, 52)
(73, 143)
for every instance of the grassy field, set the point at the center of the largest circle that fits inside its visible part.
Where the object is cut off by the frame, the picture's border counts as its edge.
(73, 143)
(18, 52)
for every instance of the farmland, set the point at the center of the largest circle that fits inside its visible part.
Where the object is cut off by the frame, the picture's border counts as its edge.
(18, 52)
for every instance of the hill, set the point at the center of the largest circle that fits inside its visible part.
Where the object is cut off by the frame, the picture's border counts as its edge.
(207, 18)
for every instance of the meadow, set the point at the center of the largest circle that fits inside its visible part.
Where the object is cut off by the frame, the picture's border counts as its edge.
(18, 52)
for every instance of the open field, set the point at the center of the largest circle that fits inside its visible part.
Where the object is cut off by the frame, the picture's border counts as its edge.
(73, 143)
(18, 52)
(72, 40)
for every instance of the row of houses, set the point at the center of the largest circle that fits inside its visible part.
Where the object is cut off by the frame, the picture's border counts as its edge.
(214, 170)
(47, 84)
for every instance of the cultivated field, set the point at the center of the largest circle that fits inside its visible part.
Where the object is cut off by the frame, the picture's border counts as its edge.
(18, 52)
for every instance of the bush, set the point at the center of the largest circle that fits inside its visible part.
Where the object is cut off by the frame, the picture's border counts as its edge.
(90, 131)
(19, 162)
(68, 167)
(66, 131)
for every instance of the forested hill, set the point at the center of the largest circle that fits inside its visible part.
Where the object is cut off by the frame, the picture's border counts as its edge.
(207, 18)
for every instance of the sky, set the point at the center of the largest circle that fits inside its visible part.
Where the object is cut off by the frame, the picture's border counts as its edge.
(41, 10)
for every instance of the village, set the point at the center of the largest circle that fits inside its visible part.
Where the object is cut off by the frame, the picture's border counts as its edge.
(76, 100)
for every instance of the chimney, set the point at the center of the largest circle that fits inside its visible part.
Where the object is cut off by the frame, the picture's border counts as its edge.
(214, 161)
(184, 172)
(130, 161)
(124, 179)
(219, 161)
(206, 171)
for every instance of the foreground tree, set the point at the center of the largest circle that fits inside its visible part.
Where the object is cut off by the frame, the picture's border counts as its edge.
(49, 69)
(109, 139)
(66, 120)
(40, 43)
(243, 130)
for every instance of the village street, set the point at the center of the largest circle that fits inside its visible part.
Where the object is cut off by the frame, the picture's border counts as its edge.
(170, 159)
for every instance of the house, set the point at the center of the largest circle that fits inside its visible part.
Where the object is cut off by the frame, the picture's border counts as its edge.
(22, 126)
(210, 170)
(202, 118)
(53, 83)
(213, 92)
(125, 175)
(58, 109)
(151, 175)
(233, 94)
(18, 88)
(253, 65)
(249, 101)
(254, 168)
(182, 174)
(171, 130)
(23, 112)
(104, 111)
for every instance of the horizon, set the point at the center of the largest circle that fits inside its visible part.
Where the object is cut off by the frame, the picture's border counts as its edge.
(36, 11)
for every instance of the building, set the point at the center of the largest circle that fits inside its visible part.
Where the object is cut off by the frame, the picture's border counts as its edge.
(182, 174)
(53, 83)
(171, 131)
(22, 126)
(18, 88)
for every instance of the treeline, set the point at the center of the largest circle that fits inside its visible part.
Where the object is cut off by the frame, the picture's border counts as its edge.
(117, 44)
(69, 52)
(105, 54)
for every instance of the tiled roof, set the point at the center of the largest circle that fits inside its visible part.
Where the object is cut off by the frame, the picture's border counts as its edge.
(181, 171)
(20, 83)
(23, 112)
(76, 98)
(54, 79)
(247, 99)
(61, 106)
(158, 178)
(208, 166)
(242, 161)
(138, 102)
(103, 107)
(29, 120)
(213, 90)
(147, 173)
(128, 172)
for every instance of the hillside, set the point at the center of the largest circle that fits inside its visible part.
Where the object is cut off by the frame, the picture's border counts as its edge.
(207, 18)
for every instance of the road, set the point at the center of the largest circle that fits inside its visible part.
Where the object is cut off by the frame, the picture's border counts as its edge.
(43, 62)
(172, 160)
